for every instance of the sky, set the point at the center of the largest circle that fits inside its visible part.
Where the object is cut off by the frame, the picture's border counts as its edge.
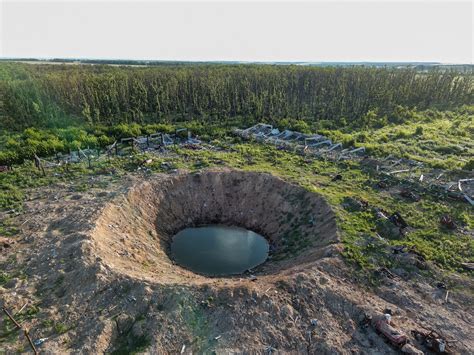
(194, 30)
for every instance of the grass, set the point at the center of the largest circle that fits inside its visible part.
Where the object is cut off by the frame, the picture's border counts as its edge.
(131, 343)
(135, 345)
(367, 253)
(8, 331)
(8, 227)
(194, 316)
(446, 248)
(438, 139)
(60, 328)
(4, 278)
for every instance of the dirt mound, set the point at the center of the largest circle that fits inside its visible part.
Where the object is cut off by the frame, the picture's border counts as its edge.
(133, 233)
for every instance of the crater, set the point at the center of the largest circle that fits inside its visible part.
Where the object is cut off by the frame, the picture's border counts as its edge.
(134, 233)
(219, 250)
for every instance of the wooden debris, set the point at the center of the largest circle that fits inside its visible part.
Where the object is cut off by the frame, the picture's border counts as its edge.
(468, 266)
(22, 308)
(433, 341)
(18, 326)
(398, 171)
(383, 325)
(410, 349)
(27, 334)
(11, 318)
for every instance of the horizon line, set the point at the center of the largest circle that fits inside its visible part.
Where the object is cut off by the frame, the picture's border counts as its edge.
(233, 60)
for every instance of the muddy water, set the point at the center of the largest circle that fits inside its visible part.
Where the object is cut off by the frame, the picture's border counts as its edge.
(219, 250)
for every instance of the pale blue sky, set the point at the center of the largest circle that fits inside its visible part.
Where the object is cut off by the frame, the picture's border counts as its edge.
(350, 30)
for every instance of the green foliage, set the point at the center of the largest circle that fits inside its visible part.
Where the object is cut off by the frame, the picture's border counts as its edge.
(7, 228)
(469, 166)
(11, 197)
(131, 343)
(294, 125)
(419, 131)
(124, 130)
(135, 345)
(438, 139)
(313, 97)
(4, 278)
(60, 328)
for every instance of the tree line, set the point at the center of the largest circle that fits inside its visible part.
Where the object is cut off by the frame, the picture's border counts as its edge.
(56, 95)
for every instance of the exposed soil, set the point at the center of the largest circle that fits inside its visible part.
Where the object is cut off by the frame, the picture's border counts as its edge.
(98, 262)
(136, 229)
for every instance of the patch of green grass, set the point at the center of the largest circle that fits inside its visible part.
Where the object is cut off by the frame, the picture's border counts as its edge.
(4, 278)
(130, 343)
(445, 248)
(8, 228)
(11, 197)
(439, 139)
(137, 345)
(134, 345)
(8, 331)
(83, 187)
(47, 323)
(61, 328)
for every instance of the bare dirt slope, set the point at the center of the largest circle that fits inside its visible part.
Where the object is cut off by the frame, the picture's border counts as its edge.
(136, 229)
(97, 263)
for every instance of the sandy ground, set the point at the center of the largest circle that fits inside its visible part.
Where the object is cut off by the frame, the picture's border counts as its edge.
(97, 262)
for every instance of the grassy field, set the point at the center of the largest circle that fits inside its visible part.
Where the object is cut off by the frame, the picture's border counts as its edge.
(438, 139)
(446, 248)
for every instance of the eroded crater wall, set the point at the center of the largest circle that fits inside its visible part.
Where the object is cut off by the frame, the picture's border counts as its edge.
(133, 233)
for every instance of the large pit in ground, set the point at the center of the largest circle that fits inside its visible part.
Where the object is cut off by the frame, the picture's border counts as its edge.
(216, 250)
(133, 233)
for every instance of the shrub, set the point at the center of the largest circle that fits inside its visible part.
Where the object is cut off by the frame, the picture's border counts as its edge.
(419, 131)
(383, 138)
(104, 140)
(362, 137)
(401, 134)
(469, 166)
(125, 130)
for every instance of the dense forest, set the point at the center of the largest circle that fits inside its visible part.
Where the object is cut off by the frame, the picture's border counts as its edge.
(57, 95)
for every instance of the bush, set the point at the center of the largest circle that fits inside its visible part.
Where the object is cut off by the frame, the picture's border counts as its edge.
(419, 131)
(383, 138)
(362, 137)
(294, 125)
(9, 157)
(125, 130)
(104, 140)
(401, 134)
(469, 166)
